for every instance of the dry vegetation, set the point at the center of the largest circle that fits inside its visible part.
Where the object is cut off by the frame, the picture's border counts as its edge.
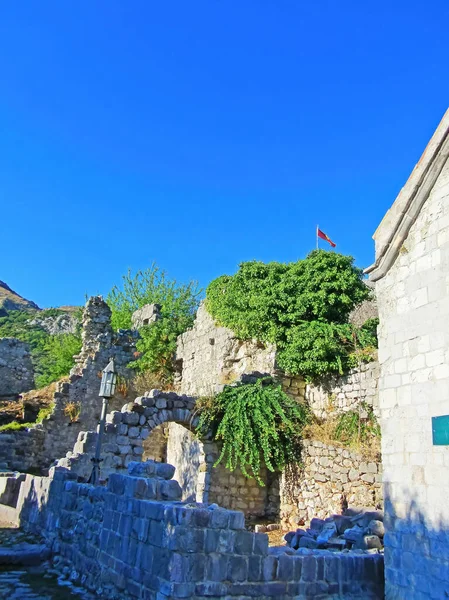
(325, 430)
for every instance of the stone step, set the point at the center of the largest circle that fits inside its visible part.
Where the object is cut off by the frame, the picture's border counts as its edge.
(24, 554)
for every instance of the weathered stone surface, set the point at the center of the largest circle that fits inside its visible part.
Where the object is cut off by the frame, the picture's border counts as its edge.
(39, 446)
(411, 275)
(16, 368)
(323, 486)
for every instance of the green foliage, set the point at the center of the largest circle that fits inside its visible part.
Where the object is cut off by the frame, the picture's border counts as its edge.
(257, 423)
(303, 307)
(178, 304)
(52, 355)
(15, 426)
(44, 412)
(57, 357)
(357, 426)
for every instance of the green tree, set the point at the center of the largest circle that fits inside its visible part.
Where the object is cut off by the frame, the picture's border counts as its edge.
(178, 303)
(57, 357)
(303, 307)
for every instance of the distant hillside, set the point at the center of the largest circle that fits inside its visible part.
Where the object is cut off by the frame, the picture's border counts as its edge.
(53, 334)
(11, 300)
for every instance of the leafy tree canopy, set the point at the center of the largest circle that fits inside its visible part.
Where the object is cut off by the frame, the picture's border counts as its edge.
(178, 303)
(303, 307)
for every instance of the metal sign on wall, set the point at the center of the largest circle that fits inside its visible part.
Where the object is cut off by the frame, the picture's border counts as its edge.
(440, 430)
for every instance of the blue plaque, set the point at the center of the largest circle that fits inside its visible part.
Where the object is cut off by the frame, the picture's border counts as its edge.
(440, 430)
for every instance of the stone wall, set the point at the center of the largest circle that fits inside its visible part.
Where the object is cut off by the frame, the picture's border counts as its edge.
(16, 368)
(331, 479)
(149, 313)
(128, 438)
(413, 299)
(39, 446)
(340, 394)
(132, 538)
(209, 357)
(411, 273)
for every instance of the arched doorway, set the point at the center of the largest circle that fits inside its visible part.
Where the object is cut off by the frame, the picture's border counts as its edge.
(175, 444)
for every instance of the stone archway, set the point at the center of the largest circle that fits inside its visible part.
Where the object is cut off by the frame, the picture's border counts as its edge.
(126, 435)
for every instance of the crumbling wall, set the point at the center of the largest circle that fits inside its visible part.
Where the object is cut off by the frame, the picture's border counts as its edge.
(128, 436)
(131, 538)
(16, 368)
(346, 392)
(42, 444)
(210, 357)
(331, 479)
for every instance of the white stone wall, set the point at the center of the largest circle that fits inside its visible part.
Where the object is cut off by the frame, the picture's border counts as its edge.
(341, 394)
(413, 301)
(185, 452)
(211, 356)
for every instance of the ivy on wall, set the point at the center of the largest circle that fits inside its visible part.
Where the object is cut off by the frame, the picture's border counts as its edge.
(303, 307)
(257, 424)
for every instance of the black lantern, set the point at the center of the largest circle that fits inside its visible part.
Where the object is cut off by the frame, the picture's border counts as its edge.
(107, 390)
(108, 380)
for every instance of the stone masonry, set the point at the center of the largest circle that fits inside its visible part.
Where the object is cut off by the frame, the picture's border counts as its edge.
(411, 273)
(42, 444)
(331, 479)
(149, 313)
(16, 368)
(134, 539)
(128, 432)
(209, 357)
(341, 394)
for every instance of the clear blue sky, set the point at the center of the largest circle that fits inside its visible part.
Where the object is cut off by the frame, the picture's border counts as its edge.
(202, 134)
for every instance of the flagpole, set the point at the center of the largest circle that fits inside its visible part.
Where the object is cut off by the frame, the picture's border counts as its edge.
(317, 237)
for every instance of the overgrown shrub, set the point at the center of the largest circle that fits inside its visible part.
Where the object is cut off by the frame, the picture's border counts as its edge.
(178, 303)
(357, 426)
(257, 424)
(303, 307)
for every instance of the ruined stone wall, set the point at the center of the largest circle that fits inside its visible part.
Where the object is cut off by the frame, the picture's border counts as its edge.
(41, 445)
(131, 538)
(128, 438)
(16, 368)
(413, 299)
(331, 479)
(341, 394)
(210, 357)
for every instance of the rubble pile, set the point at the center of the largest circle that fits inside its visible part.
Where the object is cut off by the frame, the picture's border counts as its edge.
(357, 529)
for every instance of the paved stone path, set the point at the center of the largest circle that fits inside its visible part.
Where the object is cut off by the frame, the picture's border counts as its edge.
(39, 582)
(34, 584)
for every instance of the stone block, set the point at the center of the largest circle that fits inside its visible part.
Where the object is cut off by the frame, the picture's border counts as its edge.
(130, 418)
(216, 567)
(237, 568)
(236, 520)
(164, 470)
(243, 543)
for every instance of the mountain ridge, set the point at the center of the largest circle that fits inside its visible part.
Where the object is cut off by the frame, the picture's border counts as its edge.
(11, 300)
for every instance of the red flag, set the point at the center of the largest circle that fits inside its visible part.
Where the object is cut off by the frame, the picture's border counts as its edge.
(323, 236)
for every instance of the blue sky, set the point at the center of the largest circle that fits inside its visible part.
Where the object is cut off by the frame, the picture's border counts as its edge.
(202, 134)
